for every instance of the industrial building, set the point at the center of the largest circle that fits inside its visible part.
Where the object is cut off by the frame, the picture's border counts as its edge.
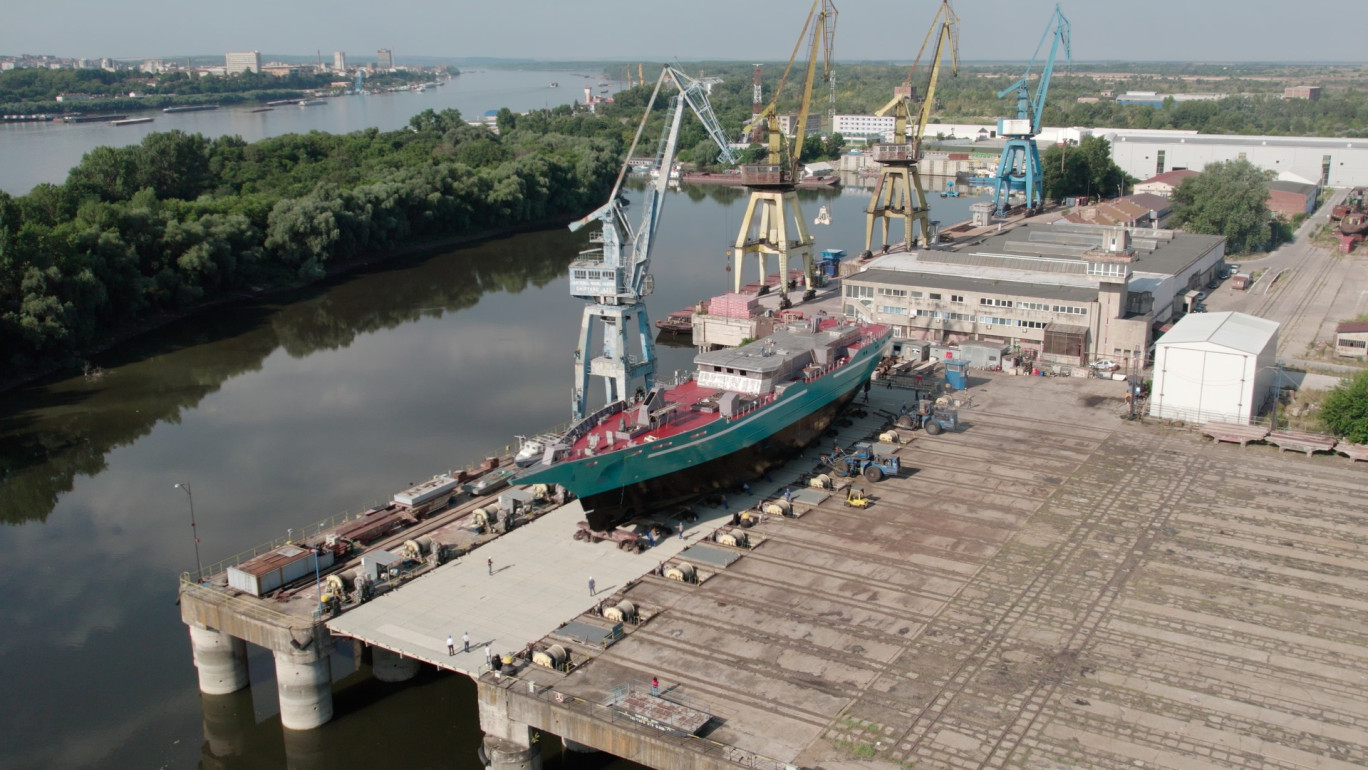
(1328, 162)
(1164, 184)
(1351, 339)
(1290, 199)
(1066, 294)
(1215, 367)
(242, 61)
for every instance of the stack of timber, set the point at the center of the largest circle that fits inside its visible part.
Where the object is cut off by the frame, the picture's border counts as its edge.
(1234, 433)
(1301, 442)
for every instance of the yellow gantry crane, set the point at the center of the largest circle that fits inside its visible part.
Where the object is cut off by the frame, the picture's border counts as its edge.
(773, 208)
(898, 191)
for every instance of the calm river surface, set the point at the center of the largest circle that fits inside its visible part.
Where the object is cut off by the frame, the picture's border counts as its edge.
(278, 413)
(33, 153)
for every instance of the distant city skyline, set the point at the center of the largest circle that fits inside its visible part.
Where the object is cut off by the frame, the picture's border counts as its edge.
(551, 30)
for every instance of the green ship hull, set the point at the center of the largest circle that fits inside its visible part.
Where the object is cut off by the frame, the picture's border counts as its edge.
(718, 456)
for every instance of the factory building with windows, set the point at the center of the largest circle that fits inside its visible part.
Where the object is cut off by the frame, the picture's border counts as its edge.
(1064, 294)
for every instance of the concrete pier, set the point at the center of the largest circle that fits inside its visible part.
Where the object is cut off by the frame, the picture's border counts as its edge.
(506, 755)
(220, 659)
(509, 742)
(390, 666)
(304, 680)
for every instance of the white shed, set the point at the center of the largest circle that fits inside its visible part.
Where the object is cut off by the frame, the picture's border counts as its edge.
(1214, 367)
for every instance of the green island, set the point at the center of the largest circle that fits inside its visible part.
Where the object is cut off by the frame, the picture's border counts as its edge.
(35, 91)
(149, 231)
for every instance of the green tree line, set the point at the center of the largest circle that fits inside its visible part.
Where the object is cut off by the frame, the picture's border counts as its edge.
(33, 90)
(1252, 101)
(178, 220)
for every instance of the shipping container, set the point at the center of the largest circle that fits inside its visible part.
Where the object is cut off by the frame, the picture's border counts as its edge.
(277, 569)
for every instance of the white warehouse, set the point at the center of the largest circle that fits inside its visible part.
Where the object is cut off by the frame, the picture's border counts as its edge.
(1214, 367)
(1329, 162)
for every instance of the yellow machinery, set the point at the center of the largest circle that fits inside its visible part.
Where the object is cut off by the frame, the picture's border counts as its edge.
(856, 498)
(773, 207)
(898, 191)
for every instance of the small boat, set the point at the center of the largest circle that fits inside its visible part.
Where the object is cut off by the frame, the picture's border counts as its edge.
(191, 108)
(554, 84)
(310, 102)
(1354, 223)
(678, 322)
(823, 216)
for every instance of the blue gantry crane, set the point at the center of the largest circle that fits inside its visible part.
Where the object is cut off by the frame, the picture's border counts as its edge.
(1019, 167)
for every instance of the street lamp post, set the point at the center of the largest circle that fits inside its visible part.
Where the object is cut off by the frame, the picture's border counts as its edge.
(1277, 395)
(199, 570)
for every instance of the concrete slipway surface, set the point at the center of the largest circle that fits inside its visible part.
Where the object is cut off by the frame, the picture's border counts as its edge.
(1050, 587)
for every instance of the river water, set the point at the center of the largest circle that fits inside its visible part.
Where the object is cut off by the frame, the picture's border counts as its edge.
(278, 413)
(33, 153)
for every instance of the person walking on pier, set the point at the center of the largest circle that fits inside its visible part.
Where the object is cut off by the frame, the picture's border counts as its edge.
(655, 686)
(451, 645)
(465, 639)
(490, 563)
(591, 586)
(680, 528)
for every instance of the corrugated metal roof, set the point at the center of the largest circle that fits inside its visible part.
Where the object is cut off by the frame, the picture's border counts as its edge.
(1352, 327)
(1237, 331)
(1283, 185)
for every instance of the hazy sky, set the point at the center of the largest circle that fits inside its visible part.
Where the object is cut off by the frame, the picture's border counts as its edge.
(1167, 30)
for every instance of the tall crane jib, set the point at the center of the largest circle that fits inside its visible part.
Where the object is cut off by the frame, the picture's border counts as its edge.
(1019, 167)
(773, 224)
(898, 191)
(613, 278)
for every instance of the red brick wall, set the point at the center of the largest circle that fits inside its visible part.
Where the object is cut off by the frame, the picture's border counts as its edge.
(1287, 203)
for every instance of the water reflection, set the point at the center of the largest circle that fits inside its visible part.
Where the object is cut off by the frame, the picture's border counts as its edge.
(53, 432)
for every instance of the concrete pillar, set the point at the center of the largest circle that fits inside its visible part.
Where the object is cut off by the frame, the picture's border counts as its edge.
(390, 666)
(507, 755)
(508, 743)
(304, 679)
(220, 659)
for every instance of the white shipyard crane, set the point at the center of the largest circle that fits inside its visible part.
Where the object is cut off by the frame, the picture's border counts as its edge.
(613, 279)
